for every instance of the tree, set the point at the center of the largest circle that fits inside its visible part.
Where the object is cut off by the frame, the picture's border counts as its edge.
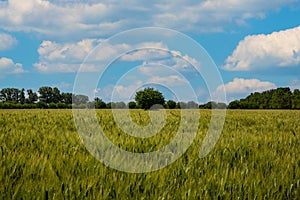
(149, 97)
(15, 94)
(56, 96)
(171, 104)
(97, 99)
(79, 99)
(46, 94)
(210, 105)
(32, 97)
(132, 105)
(22, 96)
(99, 103)
(66, 98)
(280, 98)
(296, 99)
(5, 95)
(10, 94)
(41, 104)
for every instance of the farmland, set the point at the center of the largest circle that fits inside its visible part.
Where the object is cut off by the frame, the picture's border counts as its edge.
(257, 156)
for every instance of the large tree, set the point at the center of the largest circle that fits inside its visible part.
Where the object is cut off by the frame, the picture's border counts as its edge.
(66, 98)
(56, 96)
(32, 97)
(22, 96)
(148, 97)
(10, 94)
(46, 94)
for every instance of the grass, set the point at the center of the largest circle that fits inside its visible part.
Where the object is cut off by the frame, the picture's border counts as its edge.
(256, 157)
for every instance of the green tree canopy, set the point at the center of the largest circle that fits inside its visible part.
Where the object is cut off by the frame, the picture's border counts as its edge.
(171, 104)
(148, 97)
(132, 105)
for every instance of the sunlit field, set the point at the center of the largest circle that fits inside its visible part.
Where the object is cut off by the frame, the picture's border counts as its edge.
(256, 157)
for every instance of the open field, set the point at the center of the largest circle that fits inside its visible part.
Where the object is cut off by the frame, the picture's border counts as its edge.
(256, 157)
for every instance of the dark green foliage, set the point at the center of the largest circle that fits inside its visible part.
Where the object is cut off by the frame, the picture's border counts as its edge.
(213, 105)
(234, 105)
(22, 96)
(10, 94)
(281, 98)
(41, 104)
(171, 104)
(100, 104)
(32, 97)
(149, 97)
(296, 99)
(66, 98)
(46, 94)
(109, 105)
(132, 105)
(52, 105)
(13, 98)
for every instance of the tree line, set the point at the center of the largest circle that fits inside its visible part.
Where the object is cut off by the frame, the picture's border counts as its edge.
(48, 97)
(280, 98)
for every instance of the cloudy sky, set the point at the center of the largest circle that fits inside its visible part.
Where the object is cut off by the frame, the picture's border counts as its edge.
(254, 44)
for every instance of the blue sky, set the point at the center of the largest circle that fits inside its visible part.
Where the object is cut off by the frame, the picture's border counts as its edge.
(255, 45)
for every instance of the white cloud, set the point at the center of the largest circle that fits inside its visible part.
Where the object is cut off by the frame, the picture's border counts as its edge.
(146, 51)
(174, 60)
(119, 92)
(246, 86)
(7, 66)
(64, 86)
(172, 80)
(278, 49)
(68, 57)
(126, 93)
(7, 41)
(89, 19)
(52, 51)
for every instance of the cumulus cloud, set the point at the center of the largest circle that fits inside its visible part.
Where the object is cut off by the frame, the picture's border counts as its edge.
(245, 86)
(172, 80)
(119, 92)
(146, 51)
(7, 41)
(68, 57)
(278, 49)
(174, 60)
(94, 18)
(7, 66)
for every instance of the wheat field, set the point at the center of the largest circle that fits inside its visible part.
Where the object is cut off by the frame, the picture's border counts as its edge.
(257, 157)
